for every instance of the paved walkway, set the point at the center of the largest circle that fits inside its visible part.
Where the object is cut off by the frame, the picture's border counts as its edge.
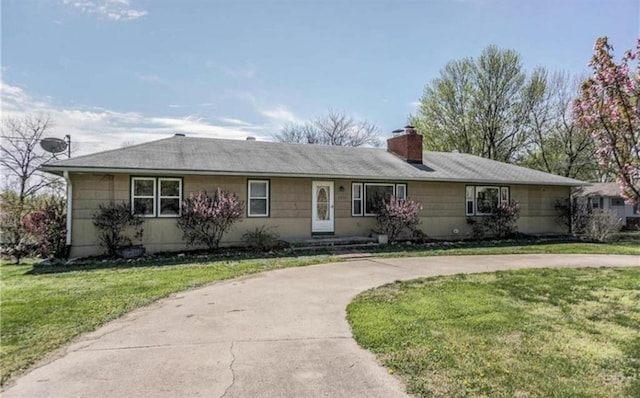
(276, 334)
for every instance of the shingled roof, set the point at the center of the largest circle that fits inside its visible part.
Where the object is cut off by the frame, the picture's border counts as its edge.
(189, 155)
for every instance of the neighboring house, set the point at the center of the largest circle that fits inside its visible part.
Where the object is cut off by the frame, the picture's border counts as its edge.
(607, 195)
(302, 190)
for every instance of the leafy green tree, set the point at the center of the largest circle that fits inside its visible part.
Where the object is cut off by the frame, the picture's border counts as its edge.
(478, 106)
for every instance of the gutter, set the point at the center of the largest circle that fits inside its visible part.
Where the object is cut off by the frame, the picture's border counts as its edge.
(114, 170)
(69, 211)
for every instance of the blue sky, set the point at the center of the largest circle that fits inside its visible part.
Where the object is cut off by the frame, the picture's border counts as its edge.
(111, 72)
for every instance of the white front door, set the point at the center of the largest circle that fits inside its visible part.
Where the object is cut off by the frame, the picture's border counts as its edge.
(322, 206)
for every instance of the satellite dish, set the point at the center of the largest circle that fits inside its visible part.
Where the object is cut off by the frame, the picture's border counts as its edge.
(53, 145)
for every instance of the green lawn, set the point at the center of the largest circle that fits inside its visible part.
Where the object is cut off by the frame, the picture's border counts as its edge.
(44, 308)
(524, 333)
(474, 248)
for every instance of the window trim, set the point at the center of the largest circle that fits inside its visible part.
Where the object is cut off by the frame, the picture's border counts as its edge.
(160, 197)
(363, 197)
(267, 198)
(474, 199)
(395, 192)
(360, 199)
(134, 196)
(374, 184)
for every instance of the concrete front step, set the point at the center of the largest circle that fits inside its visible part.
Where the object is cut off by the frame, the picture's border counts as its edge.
(332, 241)
(337, 248)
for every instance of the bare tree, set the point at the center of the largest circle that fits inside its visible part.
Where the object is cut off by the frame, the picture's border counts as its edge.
(557, 144)
(20, 157)
(21, 154)
(336, 128)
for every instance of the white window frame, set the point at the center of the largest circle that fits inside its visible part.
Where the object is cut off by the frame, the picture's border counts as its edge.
(404, 186)
(354, 199)
(470, 189)
(364, 194)
(134, 196)
(160, 197)
(249, 197)
(474, 199)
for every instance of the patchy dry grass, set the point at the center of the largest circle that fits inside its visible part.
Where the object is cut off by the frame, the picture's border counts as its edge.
(526, 333)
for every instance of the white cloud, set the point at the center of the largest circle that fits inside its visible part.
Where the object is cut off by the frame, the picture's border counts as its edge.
(115, 10)
(414, 104)
(230, 120)
(95, 129)
(279, 114)
(247, 71)
(157, 80)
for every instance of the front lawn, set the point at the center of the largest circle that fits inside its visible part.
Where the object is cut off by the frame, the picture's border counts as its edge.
(520, 247)
(524, 333)
(45, 307)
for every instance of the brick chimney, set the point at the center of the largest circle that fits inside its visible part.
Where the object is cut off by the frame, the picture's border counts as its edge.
(407, 144)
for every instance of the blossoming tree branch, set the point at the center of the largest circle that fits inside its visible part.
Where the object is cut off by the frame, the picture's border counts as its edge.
(609, 108)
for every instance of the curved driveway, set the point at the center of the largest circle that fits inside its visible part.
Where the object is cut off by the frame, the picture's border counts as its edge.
(277, 334)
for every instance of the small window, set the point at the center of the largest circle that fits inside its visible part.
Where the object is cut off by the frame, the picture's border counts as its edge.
(617, 202)
(471, 192)
(170, 197)
(258, 198)
(143, 196)
(356, 199)
(504, 195)
(401, 191)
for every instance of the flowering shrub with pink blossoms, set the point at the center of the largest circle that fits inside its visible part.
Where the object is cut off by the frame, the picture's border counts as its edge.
(397, 215)
(205, 219)
(609, 108)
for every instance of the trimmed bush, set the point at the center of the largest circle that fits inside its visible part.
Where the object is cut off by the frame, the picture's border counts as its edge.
(205, 219)
(262, 238)
(113, 221)
(503, 220)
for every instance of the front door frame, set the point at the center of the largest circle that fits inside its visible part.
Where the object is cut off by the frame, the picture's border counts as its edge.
(322, 226)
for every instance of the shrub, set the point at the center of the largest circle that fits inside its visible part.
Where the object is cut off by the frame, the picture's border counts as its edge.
(262, 238)
(602, 224)
(397, 215)
(113, 220)
(49, 226)
(206, 219)
(501, 223)
(16, 242)
(574, 214)
(477, 228)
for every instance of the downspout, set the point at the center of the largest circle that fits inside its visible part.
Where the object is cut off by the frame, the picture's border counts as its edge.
(69, 212)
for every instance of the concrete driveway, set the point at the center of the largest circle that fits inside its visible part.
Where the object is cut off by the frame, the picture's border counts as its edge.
(276, 334)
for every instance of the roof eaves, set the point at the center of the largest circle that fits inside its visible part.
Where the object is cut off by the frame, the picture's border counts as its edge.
(57, 169)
